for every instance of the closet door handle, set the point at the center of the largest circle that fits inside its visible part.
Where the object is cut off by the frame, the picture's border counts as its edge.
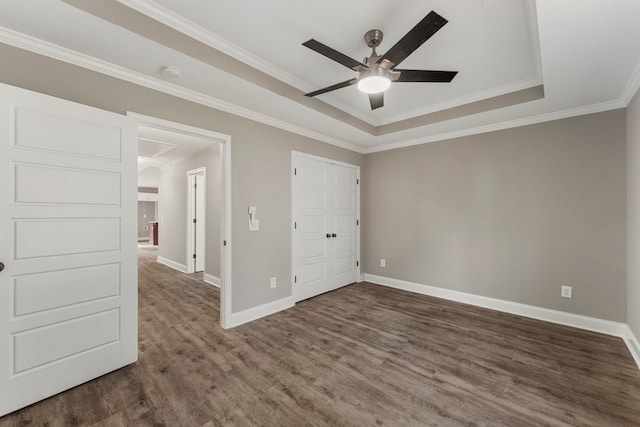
(328, 236)
(1, 266)
(334, 235)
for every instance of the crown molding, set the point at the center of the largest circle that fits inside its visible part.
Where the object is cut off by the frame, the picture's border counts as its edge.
(556, 115)
(532, 13)
(42, 47)
(60, 53)
(169, 18)
(631, 88)
(463, 100)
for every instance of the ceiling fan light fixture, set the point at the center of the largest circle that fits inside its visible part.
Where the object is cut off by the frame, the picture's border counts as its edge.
(377, 72)
(374, 84)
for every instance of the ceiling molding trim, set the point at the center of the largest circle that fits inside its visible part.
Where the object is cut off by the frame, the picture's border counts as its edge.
(178, 128)
(41, 47)
(169, 18)
(532, 12)
(168, 146)
(631, 88)
(149, 162)
(556, 115)
(193, 30)
(478, 96)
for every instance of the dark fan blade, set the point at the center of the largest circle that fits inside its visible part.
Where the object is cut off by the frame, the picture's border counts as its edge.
(419, 34)
(333, 87)
(376, 100)
(426, 76)
(330, 53)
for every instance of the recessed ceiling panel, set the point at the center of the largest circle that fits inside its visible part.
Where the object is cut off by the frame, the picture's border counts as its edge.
(492, 43)
(151, 148)
(500, 48)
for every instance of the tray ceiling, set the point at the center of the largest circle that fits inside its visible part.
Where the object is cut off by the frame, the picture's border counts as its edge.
(519, 61)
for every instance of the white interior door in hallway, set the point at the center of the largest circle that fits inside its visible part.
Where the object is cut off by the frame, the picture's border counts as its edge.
(326, 235)
(68, 231)
(197, 220)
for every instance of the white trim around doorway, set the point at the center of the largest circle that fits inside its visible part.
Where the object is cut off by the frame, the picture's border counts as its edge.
(225, 217)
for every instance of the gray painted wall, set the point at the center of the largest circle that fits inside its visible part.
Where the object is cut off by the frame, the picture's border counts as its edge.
(149, 177)
(146, 213)
(633, 214)
(261, 161)
(172, 211)
(172, 208)
(261, 167)
(512, 214)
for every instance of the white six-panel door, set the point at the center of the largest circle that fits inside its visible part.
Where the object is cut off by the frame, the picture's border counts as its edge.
(68, 292)
(325, 237)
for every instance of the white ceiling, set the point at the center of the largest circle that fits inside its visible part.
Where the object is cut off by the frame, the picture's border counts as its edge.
(159, 147)
(586, 53)
(501, 54)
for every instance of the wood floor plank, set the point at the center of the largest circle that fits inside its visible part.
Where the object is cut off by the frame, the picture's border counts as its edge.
(361, 355)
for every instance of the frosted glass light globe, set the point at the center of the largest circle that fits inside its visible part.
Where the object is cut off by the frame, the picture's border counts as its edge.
(374, 84)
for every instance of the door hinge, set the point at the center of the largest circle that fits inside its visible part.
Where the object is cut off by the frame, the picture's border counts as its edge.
(224, 243)
(295, 279)
(295, 225)
(357, 222)
(295, 171)
(357, 263)
(194, 220)
(195, 185)
(194, 256)
(357, 181)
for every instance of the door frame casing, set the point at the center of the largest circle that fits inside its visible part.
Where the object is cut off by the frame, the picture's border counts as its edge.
(294, 156)
(191, 213)
(226, 244)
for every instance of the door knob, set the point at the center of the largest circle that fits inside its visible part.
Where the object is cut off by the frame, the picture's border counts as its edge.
(328, 236)
(334, 235)
(1, 266)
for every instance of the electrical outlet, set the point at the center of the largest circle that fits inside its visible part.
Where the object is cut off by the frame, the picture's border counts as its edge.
(274, 282)
(566, 291)
(383, 262)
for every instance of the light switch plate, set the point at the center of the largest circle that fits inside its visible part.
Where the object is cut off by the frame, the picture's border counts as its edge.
(254, 224)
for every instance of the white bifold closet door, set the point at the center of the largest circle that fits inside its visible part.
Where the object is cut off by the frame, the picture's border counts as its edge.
(68, 289)
(326, 225)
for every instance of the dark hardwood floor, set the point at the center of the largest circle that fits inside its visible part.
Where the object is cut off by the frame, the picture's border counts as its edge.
(363, 355)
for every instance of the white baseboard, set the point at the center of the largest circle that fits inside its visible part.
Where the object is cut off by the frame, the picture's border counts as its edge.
(263, 310)
(169, 263)
(554, 316)
(212, 280)
(633, 344)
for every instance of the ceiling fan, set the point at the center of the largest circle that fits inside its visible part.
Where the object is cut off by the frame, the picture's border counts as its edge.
(376, 72)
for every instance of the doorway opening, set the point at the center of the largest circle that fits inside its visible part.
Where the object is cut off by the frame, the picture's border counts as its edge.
(196, 220)
(207, 165)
